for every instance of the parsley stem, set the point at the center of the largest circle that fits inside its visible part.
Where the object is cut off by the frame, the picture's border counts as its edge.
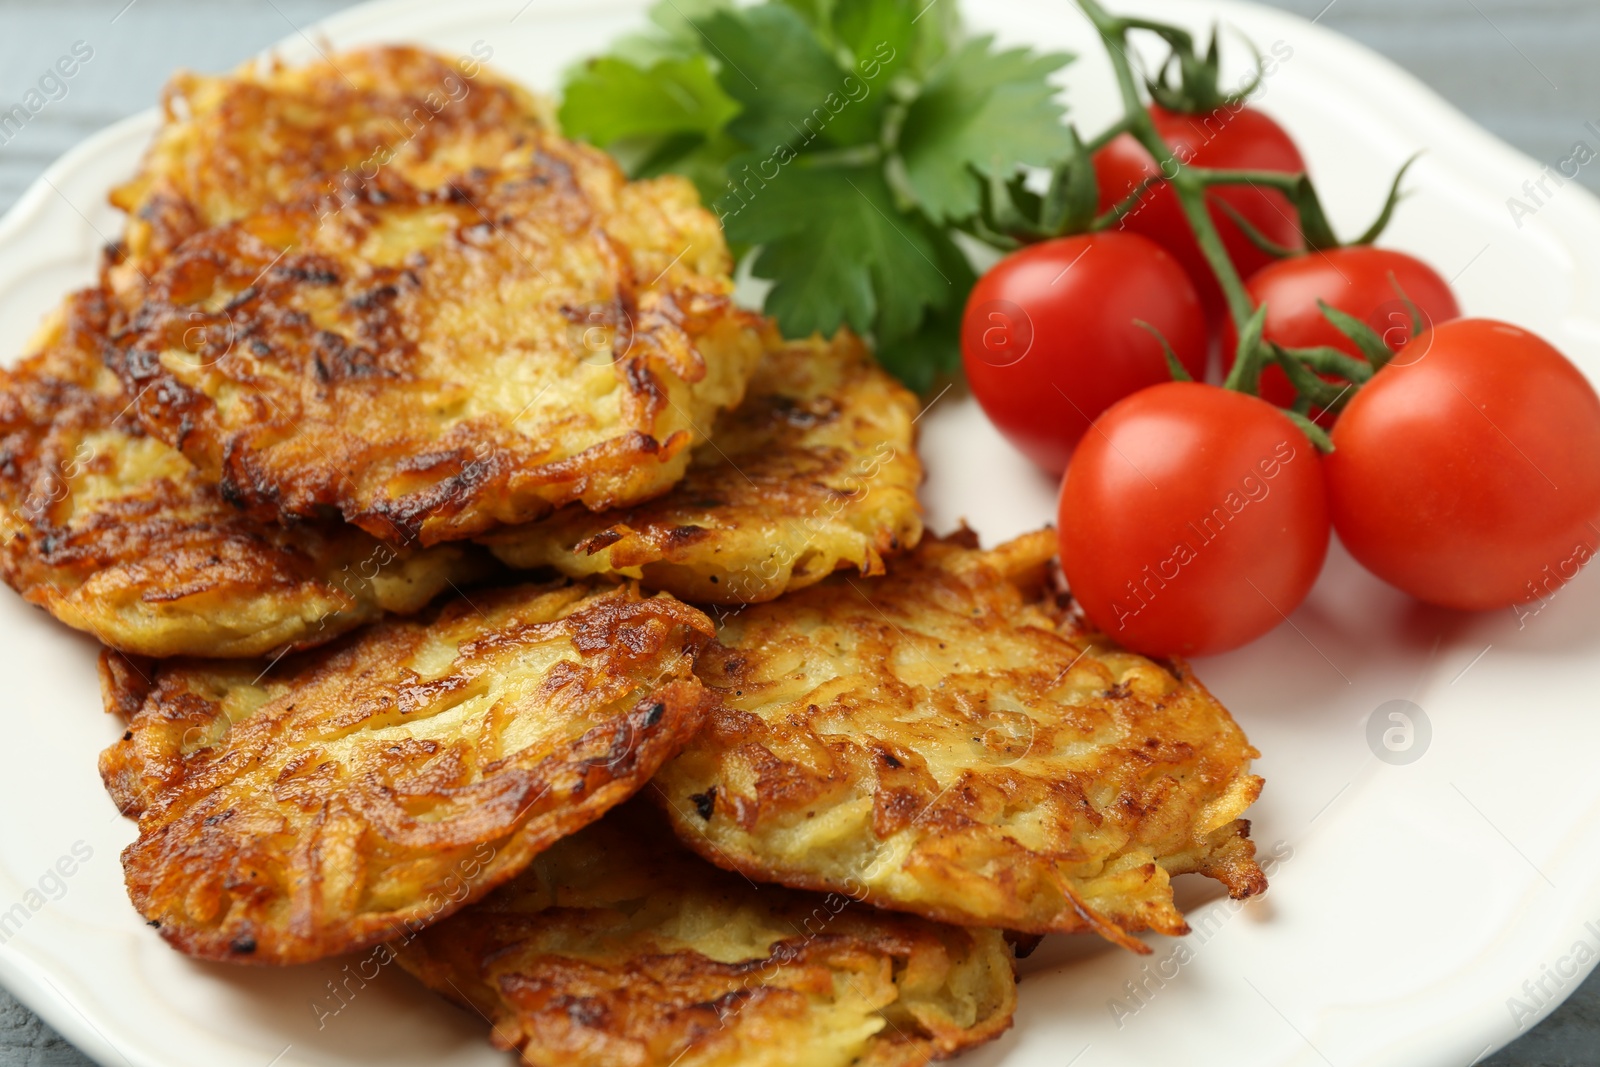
(855, 156)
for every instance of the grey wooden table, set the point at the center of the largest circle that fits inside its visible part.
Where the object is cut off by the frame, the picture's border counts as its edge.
(1523, 68)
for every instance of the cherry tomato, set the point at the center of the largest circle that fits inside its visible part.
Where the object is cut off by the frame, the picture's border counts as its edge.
(1226, 139)
(1467, 472)
(1050, 340)
(1361, 281)
(1193, 520)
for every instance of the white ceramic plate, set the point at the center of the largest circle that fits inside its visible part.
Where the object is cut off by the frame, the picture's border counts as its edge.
(1410, 903)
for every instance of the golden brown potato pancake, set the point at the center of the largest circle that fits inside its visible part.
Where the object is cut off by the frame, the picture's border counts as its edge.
(233, 144)
(114, 533)
(619, 947)
(301, 810)
(817, 469)
(436, 364)
(949, 740)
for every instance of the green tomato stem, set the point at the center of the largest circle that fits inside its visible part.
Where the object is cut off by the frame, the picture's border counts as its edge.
(1187, 185)
(1108, 135)
(1272, 179)
(1124, 207)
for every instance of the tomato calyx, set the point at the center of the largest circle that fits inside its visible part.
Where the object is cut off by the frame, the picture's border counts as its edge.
(1190, 83)
(1012, 215)
(1309, 369)
(1374, 349)
(1016, 213)
(1175, 366)
(1254, 355)
(1315, 228)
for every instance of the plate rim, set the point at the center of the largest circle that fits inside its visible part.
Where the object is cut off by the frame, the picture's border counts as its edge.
(28, 978)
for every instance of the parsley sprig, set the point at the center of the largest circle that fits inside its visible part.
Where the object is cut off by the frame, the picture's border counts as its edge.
(844, 145)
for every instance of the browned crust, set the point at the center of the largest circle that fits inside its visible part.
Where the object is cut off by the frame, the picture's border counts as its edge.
(816, 470)
(366, 348)
(231, 145)
(972, 752)
(347, 795)
(115, 534)
(581, 962)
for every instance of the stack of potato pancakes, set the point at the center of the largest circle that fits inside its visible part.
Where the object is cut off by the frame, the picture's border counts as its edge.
(397, 460)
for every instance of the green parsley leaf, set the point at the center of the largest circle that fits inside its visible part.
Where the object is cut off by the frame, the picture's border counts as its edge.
(818, 15)
(612, 99)
(843, 144)
(672, 34)
(839, 252)
(703, 160)
(982, 110)
(879, 35)
(935, 349)
(891, 34)
(792, 90)
(938, 30)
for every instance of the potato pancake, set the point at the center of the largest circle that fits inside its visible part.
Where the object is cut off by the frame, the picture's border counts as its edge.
(619, 947)
(817, 469)
(233, 144)
(294, 811)
(949, 740)
(114, 533)
(436, 364)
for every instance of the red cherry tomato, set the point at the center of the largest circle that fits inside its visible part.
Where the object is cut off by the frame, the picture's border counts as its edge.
(1226, 139)
(1467, 472)
(1361, 281)
(1050, 340)
(1193, 520)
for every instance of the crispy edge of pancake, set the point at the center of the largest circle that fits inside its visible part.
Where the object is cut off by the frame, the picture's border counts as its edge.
(950, 740)
(618, 946)
(116, 534)
(294, 811)
(816, 470)
(230, 145)
(379, 360)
